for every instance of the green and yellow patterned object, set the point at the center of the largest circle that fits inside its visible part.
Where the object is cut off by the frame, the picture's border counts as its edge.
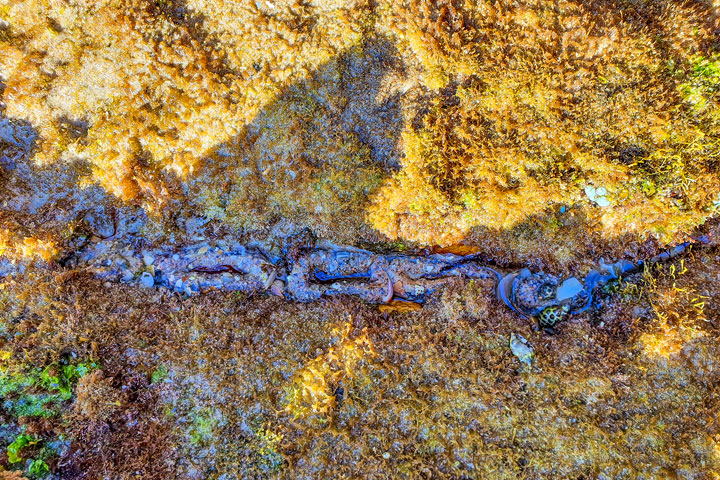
(552, 315)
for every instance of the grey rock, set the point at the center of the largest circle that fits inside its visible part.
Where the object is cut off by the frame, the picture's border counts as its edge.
(147, 280)
(100, 222)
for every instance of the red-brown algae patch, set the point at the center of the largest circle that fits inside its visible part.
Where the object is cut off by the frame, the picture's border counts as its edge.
(264, 387)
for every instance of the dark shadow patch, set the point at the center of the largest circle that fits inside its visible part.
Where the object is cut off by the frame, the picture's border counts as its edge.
(343, 102)
(361, 82)
(73, 129)
(17, 141)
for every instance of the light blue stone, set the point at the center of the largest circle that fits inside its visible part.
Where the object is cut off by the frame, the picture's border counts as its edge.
(147, 280)
(520, 348)
(602, 202)
(597, 195)
(569, 288)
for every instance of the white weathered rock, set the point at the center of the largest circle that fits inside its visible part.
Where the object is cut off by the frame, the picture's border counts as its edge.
(521, 349)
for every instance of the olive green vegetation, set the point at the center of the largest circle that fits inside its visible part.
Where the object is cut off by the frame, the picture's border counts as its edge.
(262, 388)
(53, 385)
(703, 82)
(37, 468)
(14, 448)
(40, 393)
(159, 374)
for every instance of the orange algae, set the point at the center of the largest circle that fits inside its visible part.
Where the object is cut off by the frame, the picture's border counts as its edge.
(28, 248)
(256, 116)
(314, 386)
(558, 98)
(157, 90)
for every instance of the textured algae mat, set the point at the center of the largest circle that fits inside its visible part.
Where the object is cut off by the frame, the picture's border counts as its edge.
(538, 134)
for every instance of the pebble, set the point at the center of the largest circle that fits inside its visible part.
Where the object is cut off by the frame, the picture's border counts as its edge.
(179, 284)
(127, 275)
(135, 263)
(148, 259)
(176, 257)
(277, 288)
(520, 348)
(597, 195)
(147, 280)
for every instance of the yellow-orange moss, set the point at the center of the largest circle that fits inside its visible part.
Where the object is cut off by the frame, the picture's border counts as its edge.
(157, 85)
(26, 248)
(559, 98)
(509, 108)
(314, 386)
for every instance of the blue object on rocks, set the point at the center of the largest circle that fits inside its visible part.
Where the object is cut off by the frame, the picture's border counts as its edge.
(568, 289)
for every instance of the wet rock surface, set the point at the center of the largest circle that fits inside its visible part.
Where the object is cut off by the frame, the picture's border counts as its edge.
(16, 142)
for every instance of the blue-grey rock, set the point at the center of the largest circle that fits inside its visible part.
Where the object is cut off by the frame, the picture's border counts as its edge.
(147, 280)
(520, 348)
